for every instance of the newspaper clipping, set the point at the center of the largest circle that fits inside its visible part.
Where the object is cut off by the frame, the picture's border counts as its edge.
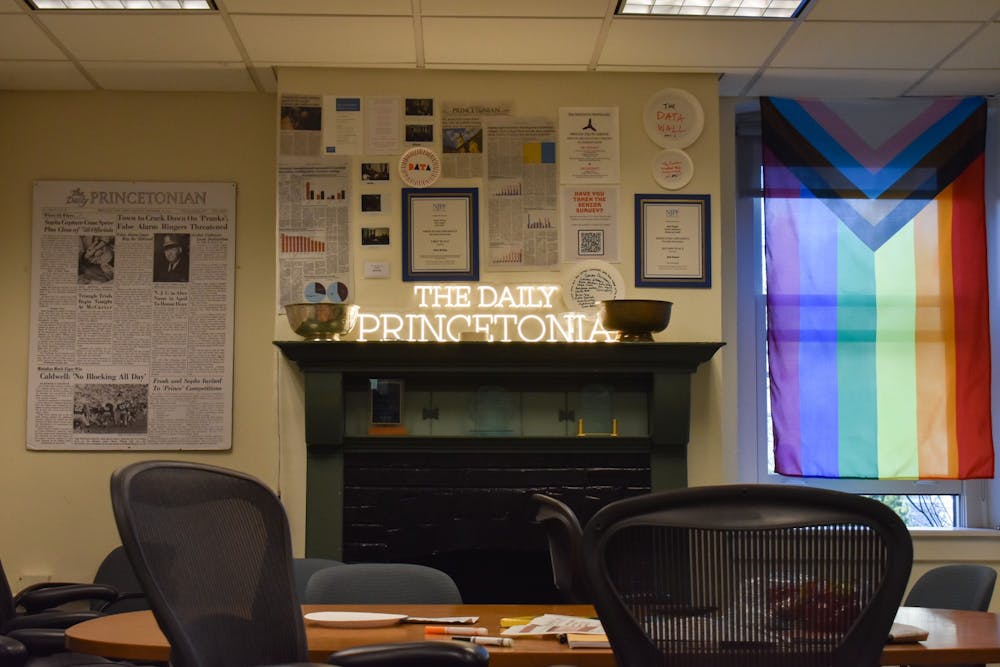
(462, 136)
(522, 194)
(132, 289)
(314, 232)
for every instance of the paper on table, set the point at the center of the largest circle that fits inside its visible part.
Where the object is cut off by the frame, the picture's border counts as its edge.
(901, 633)
(555, 624)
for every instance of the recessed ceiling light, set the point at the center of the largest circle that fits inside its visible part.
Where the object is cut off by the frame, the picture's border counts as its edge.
(120, 5)
(738, 8)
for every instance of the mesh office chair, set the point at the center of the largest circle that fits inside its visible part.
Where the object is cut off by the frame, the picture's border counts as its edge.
(382, 583)
(304, 568)
(747, 575)
(967, 586)
(212, 550)
(564, 533)
(116, 570)
(37, 616)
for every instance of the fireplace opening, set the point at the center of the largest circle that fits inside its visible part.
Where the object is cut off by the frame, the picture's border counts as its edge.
(470, 514)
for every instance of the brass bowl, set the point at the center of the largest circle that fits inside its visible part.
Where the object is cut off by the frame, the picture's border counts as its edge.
(321, 321)
(635, 319)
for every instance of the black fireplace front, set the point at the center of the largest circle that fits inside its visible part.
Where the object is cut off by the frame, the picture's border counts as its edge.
(471, 514)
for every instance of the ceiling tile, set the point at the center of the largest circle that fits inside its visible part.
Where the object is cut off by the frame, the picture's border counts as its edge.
(553, 8)
(691, 42)
(980, 51)
(41, 76)
(834, 83)
(513, 41)
(911, 10)
(325, 40)
(221, 77)
(316, 7)
(11, 6)
(144, 37)
(959, 82)
(861, 45)
(21, 39)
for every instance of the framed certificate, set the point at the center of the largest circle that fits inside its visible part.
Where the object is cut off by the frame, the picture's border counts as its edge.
(440, 234)
(672, 243)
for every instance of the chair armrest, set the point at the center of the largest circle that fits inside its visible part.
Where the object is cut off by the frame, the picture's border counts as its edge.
(46, 596)
(12, 652)
(40, 641)
(123, 603)
(58, 620)
(412, 654)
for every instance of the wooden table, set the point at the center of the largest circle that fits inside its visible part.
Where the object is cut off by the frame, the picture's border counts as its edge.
(954, 636)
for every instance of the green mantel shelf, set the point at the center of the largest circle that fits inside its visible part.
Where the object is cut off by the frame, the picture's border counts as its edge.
(667, 368)
(524, 357)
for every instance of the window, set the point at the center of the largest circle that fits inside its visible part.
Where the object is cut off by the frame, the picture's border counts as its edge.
(921, 503)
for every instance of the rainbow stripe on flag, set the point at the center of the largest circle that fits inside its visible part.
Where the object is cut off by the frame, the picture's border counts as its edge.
(877, 294)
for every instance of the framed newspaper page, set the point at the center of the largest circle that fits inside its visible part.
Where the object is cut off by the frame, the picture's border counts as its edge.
(672, 244)
(132, 291)
(440, 234)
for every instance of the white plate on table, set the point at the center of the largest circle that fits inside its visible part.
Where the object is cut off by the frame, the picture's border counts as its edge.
(353, 619)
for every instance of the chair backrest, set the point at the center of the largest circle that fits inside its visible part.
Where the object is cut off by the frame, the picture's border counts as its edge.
(747, 575)
(7, 608)
(212, 550)
(564, 534)
(305, 568)
(967, 586)
(382, 583)
(116, 570)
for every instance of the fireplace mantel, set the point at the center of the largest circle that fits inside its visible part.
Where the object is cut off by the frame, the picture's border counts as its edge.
(665, 368)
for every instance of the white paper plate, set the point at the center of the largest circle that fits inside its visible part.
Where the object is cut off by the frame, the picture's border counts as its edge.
(590, 282)
(672, 168)
(673, 118)
(353, 619)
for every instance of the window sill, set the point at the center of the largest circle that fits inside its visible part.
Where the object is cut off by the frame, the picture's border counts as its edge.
(951, 533)
(938, 546)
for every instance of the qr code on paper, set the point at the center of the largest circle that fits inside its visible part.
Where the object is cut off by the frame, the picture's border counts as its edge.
(590, 242)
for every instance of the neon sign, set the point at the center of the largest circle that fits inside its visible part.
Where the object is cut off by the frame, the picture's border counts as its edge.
(483, 312)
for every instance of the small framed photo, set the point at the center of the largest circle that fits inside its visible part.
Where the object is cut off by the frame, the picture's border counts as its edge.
(386, 402)
(672, 243)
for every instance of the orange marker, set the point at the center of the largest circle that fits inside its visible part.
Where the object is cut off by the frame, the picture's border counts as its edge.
(453, 630)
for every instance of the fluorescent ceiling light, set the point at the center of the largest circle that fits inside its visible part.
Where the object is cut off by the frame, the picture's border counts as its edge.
(738, 8)
(175, 5)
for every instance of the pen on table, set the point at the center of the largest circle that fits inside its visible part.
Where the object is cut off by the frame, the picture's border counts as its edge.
(456, 630)
(486, 641)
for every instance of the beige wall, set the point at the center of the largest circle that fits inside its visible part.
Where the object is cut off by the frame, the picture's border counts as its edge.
(56, 519)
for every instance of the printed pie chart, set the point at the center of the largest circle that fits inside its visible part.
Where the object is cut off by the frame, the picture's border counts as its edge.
(315, 292)
(337, 292)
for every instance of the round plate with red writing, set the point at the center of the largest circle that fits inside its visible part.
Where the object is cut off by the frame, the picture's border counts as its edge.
(673, 118)
(672, 168)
